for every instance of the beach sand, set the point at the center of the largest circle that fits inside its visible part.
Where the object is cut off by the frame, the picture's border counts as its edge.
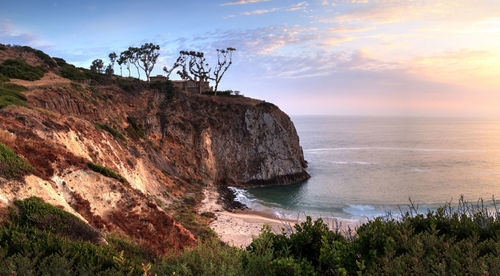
(239, 227)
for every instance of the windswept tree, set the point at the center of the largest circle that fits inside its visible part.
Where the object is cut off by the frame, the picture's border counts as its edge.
(147, 56)
(97, 66)
(180, 62)
(133, 58)
(125, 59)
(112, 58)
(197, 66)
(224, 60)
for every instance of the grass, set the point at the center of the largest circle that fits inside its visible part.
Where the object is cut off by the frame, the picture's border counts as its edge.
(11, 165)
(19, 69)
(106, 172)
(111, 130)
(11, 97)
(15, 87)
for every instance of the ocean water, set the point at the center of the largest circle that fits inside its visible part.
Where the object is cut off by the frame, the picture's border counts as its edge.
(365, 167)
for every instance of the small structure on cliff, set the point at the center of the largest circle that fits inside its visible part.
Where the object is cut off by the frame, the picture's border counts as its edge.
(186, 85)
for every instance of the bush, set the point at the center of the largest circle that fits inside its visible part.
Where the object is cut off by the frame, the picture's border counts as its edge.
(3, 47)
(442, 242)
(60, 61)
(29, 247)
(41, 55)
(111, 130)
(15, 87)
(107, 172)
(11, 97)
(35, 213)
(19, 69)
(227, 93)
(3, 78)
(71, 72)
(11, 165)
(134, 130)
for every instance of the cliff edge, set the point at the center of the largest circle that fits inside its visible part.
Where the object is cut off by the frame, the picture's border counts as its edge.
(130, 157)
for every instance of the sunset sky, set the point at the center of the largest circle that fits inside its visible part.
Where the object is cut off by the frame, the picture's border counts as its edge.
(345, 57)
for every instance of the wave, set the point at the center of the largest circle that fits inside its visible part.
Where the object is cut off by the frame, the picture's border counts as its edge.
(392, 148)
(351, 163)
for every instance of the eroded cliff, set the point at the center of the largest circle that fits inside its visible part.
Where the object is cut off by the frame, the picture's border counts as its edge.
(165, 144)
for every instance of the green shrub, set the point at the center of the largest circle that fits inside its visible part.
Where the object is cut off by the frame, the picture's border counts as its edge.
(207, 258)
(71, 72)
(11, 97)
(15, 87)
(41, 55)
(106, 172)
(3, 78)
(111, 130)
(19, 69)
(134, 130)
(60, 61)
(11, 165)
(3, 47)
(35, 213)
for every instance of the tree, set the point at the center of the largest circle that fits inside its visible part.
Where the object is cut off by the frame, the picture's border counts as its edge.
(133, 58)
(112, 58)
(224, 60)
(109, 70)
(125, 59)
(181, 60)
(197, 67)
(97, 66)
(147, 56)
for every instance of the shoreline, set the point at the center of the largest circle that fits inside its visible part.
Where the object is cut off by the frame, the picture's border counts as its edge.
(239, 226)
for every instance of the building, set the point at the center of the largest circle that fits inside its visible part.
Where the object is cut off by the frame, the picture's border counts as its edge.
(186, 85)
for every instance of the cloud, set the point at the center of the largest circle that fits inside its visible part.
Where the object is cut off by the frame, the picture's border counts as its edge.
(243, 2)
(301, 6)
(393, 11)
(12, 35)
(342, 29)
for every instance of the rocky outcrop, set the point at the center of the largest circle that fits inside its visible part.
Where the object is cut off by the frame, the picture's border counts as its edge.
(165, 145)
(235, 141)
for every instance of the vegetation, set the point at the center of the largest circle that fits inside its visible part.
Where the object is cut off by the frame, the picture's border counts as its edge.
(15, 87)
(224, 60)
(107, 172)
(71, 72)
(41, 55)
(227, 93)
(447, 241)
(43, 240)
(134, 130)
(19, 69)
(11, 165)
(97, 66)
(3, 78)
(60, 61)
(111, 130)
(10, 95)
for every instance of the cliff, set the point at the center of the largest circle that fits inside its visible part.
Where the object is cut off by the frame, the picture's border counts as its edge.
(163, 145)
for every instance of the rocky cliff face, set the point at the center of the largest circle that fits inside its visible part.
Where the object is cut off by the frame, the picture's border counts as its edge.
(165, 144)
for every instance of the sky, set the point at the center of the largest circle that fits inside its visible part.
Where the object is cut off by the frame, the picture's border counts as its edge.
(318, 57)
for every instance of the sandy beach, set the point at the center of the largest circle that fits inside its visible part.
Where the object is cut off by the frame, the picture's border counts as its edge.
(239, 227)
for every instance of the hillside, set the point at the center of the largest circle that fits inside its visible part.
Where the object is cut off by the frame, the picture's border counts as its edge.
(130, 157)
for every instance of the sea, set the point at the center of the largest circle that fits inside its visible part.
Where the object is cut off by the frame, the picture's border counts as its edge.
(365, 167)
